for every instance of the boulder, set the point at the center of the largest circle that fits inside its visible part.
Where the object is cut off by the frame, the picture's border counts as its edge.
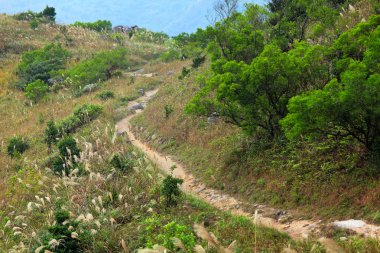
(141, 92)
(138, 106)
(90, 87)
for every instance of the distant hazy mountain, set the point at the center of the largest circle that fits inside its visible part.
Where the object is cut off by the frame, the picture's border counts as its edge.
(170, 16)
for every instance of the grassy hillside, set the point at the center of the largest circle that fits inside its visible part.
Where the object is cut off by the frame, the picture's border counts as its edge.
(108, 198)
(319, 178)
(324, 180)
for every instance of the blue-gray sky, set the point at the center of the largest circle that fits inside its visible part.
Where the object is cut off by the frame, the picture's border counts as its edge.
(169, 16)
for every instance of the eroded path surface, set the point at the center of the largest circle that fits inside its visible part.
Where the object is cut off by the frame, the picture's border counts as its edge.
(269, 217)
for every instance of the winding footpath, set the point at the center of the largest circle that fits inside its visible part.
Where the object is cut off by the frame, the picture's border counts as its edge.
(297, 229)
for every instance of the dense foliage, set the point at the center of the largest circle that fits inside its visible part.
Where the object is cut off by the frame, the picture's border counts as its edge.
(47, 15)
(16, 146)
(98, 68)
(292, 62)
(36, 90)
(99, 26)
(39, 64)
(349, 105)
(170, 189)
(80, 116)
(145, 35)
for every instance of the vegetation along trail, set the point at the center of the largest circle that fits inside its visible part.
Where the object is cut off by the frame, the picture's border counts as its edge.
(270, 217)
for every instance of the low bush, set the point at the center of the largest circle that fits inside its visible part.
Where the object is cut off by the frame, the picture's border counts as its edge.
(39, 64)
(185, 72)
(36, 90)
(170, 190)
(34, 24)
(105, 95)
(80, 116)
(96, 69)
(198, 61)
(122, 163)
(51, 134)
(68, 151)
(99, 26)
(46, 16)
(170, 55)
(68, 147)
(63, 231)
(149, 36)
(16, 146)
(158, 234)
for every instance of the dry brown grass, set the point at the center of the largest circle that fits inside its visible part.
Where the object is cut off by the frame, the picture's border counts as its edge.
(17, 116)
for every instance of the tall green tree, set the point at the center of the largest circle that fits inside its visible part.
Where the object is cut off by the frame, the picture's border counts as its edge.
(49, 13)
(255, 96)
(349, 105)
(38, 64)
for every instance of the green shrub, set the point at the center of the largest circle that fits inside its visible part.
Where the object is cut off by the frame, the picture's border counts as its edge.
(27, 16)
(198, 61)
(170, 189)
(68, 147)
(80, 116)
(185, 72)
(61, 231)
(170, 55)
(49, 13)
(97, 69)
(149, 36)
(34, 24)
(88, 112)
(36, 90)
(157, 234)
(105, 95)
(17, 146)
(68, 150)
(123, 163)
(38, 64)
(51, 134)
(99, 26)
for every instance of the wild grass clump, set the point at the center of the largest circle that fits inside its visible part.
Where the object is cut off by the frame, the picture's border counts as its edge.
(105, 95)
(69, 154)
(16, 146)
(61, 237)
(168, 109)
(122, 162)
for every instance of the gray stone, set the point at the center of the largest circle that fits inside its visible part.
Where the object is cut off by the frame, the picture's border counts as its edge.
(137, 106)
(349, 224)
(90, 87)
(141, 92)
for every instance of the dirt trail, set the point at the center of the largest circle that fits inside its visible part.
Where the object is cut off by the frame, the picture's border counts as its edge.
(269, 217)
